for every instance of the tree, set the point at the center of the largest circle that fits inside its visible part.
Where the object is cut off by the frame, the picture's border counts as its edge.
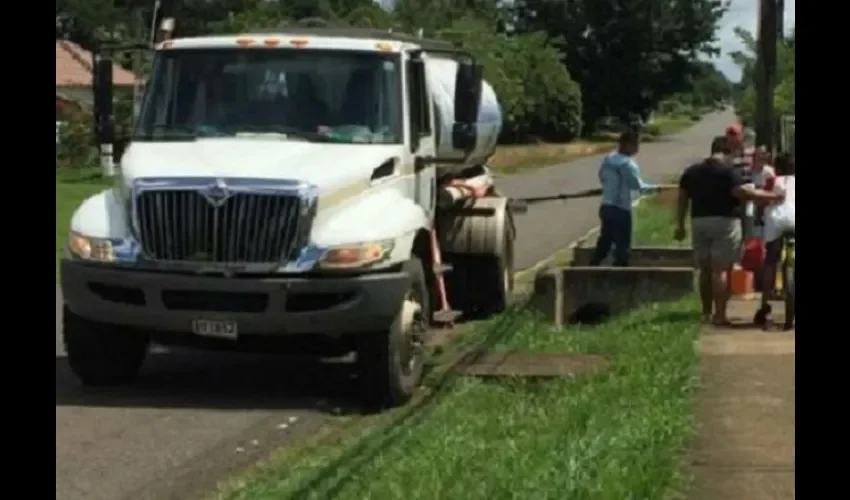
(538, 97)
(745, 59)
(85, 22)
(784, 94)
(710, 85)
(626, 54)
(555, 64)
(434, 15)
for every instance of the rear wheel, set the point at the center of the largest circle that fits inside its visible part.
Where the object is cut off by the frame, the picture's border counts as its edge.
(497, 279)
(100, 354)
(390, 364)
(482, 285)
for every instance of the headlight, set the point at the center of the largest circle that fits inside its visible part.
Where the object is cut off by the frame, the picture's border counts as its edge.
(356, 255)
(84, 247)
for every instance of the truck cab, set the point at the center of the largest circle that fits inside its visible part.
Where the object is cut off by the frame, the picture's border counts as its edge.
(283, 189)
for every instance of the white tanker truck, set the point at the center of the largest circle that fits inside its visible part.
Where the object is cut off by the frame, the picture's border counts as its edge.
(315, 188)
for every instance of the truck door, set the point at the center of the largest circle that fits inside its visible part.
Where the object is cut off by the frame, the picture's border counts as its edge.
(421, 128)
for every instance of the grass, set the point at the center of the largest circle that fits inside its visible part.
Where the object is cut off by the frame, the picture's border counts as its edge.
(616, 435)
(655, 221)
(515, 158)
(669, 125)
(518, 158)
(72, 187)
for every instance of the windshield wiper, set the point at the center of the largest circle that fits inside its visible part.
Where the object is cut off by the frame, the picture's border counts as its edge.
(281, 130)
(163, 132)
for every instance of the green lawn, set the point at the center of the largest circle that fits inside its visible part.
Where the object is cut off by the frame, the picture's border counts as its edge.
(72, 187)
(616, 435)
(655, 221)
(668, 125)
(512, 159)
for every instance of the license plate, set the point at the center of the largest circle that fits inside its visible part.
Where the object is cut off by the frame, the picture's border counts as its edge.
(219, 329)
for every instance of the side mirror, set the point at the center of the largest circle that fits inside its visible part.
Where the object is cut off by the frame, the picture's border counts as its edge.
(468, 92)
(468, 80)
(102, 89)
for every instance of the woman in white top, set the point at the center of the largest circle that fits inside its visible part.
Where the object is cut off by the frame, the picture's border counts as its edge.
(780, 220)
(762, 175)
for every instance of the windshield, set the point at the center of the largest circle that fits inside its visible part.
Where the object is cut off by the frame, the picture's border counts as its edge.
(314, 95)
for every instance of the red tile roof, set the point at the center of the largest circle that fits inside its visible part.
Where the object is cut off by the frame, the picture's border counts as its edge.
(73, 67)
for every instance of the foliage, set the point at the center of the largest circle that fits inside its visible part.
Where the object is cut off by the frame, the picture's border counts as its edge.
(556, 66)
(431, 16)
(745, 98)
(538, 97)
(709, 86)
(627, 55)
(76, 148)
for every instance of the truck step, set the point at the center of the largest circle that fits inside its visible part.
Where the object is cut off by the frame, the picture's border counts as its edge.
(447, 316)
(443, 268)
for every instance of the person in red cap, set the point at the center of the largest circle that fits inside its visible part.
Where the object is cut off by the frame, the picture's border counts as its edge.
(735, 135)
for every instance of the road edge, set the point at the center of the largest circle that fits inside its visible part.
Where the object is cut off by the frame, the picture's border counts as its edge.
(534, 269)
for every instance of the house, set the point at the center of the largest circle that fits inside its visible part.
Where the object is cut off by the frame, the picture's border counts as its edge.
(74, 79)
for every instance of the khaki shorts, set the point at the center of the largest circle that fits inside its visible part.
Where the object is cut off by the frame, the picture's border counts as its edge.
(717, 239)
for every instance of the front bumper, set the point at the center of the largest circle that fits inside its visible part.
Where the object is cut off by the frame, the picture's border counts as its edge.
(170, 302)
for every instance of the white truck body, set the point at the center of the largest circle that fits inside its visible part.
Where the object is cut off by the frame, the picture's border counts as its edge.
(360, 200)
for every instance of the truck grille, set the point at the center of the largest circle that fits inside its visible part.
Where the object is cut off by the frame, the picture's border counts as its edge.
(183, 225)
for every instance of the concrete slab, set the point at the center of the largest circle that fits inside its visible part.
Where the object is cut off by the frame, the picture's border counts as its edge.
(560, 294)
(745, 412)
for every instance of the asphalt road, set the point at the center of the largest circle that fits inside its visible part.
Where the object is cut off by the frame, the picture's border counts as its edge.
(195, 417)
(548, 227)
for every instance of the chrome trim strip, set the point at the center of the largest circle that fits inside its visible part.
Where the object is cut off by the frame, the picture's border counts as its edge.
(308, 194)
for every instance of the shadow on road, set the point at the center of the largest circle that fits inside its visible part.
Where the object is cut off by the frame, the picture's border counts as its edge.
(202, 380)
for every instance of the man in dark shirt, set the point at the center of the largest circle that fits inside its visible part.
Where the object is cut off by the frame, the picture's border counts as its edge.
(714, 190)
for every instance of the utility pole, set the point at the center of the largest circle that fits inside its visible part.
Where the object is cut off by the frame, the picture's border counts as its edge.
(138, 36)
(780, 20)
(766, 73)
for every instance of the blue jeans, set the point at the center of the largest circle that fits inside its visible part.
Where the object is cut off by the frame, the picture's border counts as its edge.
(615, 231)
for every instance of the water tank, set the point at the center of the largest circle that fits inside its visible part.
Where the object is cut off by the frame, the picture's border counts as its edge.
(441, 73)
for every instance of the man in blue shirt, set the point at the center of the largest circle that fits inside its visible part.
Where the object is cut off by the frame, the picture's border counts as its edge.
(620, 176)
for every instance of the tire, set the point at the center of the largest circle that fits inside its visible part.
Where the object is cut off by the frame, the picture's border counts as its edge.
(390, 364)
(103, 355)
(496, 278)
(482, 285)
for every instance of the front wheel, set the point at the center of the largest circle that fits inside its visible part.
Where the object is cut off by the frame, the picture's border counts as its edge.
(100, 354)
(390, 364)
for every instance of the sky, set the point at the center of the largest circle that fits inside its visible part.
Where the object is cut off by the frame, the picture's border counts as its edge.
(742, 13)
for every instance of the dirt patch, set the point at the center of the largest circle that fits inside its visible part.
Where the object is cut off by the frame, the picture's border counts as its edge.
(441, 338)
(513, 364)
